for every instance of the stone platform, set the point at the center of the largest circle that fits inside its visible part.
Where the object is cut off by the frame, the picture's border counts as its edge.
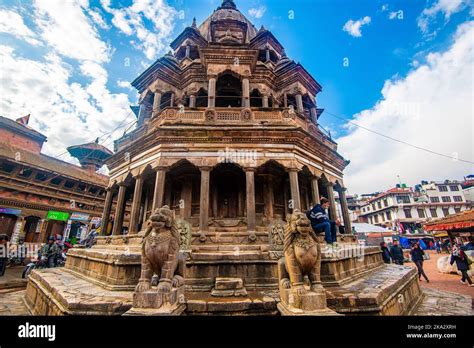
(101, 280)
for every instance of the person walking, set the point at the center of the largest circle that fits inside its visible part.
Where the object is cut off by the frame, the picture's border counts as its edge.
(320, 222)
(396, 253)
(462, 263)
(417, 257)
(385, 253)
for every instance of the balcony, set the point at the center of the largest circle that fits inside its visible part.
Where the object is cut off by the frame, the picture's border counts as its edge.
(228, 116)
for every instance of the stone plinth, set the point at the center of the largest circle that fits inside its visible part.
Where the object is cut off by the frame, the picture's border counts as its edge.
(153, 303)
(228, 287)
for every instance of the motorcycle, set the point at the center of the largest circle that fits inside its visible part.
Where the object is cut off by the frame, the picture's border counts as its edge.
(41, 262)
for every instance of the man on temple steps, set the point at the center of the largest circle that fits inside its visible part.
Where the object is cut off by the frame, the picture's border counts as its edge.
(321, 223)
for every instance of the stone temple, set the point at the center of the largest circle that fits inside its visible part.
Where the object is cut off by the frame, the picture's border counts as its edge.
(228, 138)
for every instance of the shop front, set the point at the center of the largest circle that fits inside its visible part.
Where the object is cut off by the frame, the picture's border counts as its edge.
(77, 227)
(8, 221)
(54, 225)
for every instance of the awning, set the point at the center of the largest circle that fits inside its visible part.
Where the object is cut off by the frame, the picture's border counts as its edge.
(449, 226)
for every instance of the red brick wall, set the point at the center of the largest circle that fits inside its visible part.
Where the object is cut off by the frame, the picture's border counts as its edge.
(20, 141)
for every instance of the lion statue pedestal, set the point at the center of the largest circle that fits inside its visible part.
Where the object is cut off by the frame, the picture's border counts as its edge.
(302, 258)
(160, 256)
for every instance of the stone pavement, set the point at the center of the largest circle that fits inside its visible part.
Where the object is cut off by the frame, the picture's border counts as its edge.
(440, 303)
(11, 302)
(12, 278)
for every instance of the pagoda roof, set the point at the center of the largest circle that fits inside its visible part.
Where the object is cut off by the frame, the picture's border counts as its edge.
(51, 164)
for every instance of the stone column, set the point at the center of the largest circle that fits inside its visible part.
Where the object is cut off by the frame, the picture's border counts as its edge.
(268, 196)
(204, 201)
(246, 92)
(192, 101)
(267, 55)
(188, 51)
(332, 201)
(211, 100)
(172, 99)
(285, 100)
(186, 196)
(136, 204)
(107, 209)
(119, 210)
(315, 191)
(157, 102)
(142, 112)
(250, 198)
(295, 190)
(345, 210)
(265, 101)
(299, 103)
(159, 193)
(314, 115)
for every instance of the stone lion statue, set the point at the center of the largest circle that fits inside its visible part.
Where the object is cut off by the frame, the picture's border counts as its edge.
(160, 253)
(302, 256)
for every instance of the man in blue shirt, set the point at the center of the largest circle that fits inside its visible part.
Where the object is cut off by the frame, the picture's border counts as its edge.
(321, 223)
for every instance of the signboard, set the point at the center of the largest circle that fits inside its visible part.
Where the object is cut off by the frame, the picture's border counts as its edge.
(96, 220)
(10, 211)
(57, 215)
(79, 217)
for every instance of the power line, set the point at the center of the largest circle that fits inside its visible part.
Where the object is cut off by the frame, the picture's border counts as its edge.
(397, 140)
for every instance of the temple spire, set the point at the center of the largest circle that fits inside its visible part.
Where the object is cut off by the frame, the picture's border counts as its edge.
(194, 23)
(228, 4)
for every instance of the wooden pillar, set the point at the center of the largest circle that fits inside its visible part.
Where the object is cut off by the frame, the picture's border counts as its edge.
(119, 210)
(314, 115)
(332, 201)
(106, 212)
(204, 200)
(345, 211)
(173, 96)
(285, 100)
(246, 92)
(265, 101)
(211, 99)
(250, 198)
(136, 204)
(295, 190)
(315, 191)
(159, 192)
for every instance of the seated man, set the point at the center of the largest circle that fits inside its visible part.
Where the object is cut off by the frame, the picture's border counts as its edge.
(321, 223)
(49, 252)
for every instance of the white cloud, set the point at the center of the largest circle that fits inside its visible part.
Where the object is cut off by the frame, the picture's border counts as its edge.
(67, 113)
(384, 7)
(65, 27)
(353, 28)
(98, 19)
(257, 12)
(12, 23)
(392, 15)
(445, 7)
(432, 108)
(131, 21)
(124, 84)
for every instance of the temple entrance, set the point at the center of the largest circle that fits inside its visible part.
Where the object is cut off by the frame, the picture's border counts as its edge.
(228, 191)
(228, 91)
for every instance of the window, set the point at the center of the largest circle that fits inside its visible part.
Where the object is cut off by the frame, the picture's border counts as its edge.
(443, 189)
(403, 199)
(385, 203)
(6, 167)
(93, 190)
(373, 206)
(421, 213)
(445, 211)
(379, 205)
(434, 199)
(55, 181)
(376, 219)
(41, 176)
(25, 173)
(446, 199)
(454, 187)
(407, 213)
(388, 215)
(457, 198)
(69, 184)
(457, 210)
(433, 212)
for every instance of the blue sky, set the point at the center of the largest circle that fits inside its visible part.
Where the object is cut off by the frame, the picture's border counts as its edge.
(90, 50)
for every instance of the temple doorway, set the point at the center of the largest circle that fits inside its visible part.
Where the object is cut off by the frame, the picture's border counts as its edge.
(228, 91)
(228, 191)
